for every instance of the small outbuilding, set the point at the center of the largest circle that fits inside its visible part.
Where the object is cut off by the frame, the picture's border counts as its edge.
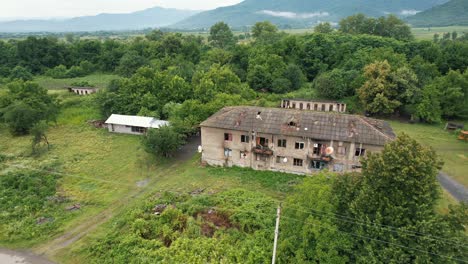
(134, 125)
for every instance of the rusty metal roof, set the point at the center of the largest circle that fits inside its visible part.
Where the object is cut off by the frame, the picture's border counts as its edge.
(309, 124)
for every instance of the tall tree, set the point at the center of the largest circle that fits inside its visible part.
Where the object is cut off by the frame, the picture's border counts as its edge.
(221, 36)
(163, 141)
(379, 93)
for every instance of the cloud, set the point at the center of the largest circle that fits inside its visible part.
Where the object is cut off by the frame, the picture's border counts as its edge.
(293, 15)
(409, 12)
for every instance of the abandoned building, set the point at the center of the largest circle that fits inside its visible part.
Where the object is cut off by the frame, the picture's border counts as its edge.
(135, 125)
(314, 105)
(289, 140)
(82, 90)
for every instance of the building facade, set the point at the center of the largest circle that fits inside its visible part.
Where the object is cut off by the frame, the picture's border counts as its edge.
(314, 105)
(83, 90)
(134, 125)
(291, 141)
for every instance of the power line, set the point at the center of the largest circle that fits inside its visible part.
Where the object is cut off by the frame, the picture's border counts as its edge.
(355, 221)
(353, 234)
(395, 229)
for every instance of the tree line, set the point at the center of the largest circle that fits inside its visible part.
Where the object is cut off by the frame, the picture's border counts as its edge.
(374, 65)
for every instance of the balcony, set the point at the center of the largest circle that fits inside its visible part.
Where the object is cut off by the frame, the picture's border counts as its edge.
(321, 157)
(259, 149)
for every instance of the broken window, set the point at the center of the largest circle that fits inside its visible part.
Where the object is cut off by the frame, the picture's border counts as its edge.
(279, 159)
(281, 143)
(299, 145)
(317, 149)
(360, 152)
(227, 136)
(227, 152)
(323, 108)
(243, 154)
(308, 106)
(262, 141)
(244, 138)
(330, 108)
(301, 106)
(298, 162)
(315, 107)
(261, 157)
(317, 165)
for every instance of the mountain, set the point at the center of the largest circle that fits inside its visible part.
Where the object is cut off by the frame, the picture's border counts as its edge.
(300, 13)
(152, 17)
(454, 12)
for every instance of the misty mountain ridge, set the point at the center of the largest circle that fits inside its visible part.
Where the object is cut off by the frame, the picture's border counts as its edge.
(302, 13)
(452, 13)
(148, 18)
(291, 13)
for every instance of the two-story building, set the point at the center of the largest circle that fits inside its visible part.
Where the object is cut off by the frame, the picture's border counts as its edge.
(288, 140)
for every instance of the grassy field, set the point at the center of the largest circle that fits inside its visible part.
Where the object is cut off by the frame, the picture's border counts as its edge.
(453, 152)
(428, 33)
(98, 80)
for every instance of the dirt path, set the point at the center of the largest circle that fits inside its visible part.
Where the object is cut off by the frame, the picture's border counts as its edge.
(21, 257)
(52, 247)
(458, 191)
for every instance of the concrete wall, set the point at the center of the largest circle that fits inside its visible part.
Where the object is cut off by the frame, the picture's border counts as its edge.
(241, 154)
(314, 106)
(122, 129)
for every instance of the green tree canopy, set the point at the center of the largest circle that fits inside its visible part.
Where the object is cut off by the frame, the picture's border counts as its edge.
(221, 35)
(163, 141)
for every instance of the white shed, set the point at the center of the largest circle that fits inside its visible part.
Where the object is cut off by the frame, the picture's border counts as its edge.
(135, 125)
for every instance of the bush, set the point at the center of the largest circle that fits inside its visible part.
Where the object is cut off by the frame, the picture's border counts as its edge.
(58, 72)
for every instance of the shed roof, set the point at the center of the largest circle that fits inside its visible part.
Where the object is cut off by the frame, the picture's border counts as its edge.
(137, 121)
(291, 122)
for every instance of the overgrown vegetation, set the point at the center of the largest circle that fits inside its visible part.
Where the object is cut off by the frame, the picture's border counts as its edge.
(232, 226)
(32, 209)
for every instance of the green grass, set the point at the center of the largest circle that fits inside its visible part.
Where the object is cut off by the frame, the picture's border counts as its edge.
(98, 80)
(428, 33)
(100, 170)
(452, 151)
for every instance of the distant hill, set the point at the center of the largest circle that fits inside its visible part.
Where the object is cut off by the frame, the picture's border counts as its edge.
(152, 17)
(301, 13)
(452, 13)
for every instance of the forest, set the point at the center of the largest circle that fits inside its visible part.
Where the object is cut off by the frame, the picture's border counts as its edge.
(374, 65)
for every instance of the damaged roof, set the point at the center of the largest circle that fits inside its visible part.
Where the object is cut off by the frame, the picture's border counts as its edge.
(307, 124)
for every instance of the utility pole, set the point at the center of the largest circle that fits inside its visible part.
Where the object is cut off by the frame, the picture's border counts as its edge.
(278, 214)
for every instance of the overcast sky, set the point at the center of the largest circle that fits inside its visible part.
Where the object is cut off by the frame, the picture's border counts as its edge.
(71, 8)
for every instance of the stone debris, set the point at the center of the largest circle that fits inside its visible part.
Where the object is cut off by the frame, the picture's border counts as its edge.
(159, 208)
(44, 220)
(73, 207)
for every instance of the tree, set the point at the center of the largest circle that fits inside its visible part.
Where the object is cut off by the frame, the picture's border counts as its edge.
(428, 109)
(21, 73)
(335, 84)
(25, 104)
(221, 36)
(163, 141)
(390, 26)
(379, 93)
(263, 29)
(324, 27)
(130, 63)
(396, 200)
(20, 117)
(39, 135)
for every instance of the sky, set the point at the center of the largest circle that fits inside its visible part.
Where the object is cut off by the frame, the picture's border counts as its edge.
(13, 9)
